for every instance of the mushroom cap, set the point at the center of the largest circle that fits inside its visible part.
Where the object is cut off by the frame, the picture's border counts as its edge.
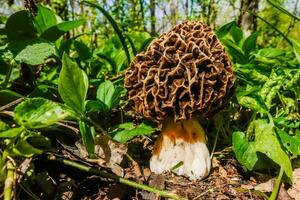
(185, 71)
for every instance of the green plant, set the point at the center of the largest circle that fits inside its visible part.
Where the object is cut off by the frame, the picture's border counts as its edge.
(268, 85)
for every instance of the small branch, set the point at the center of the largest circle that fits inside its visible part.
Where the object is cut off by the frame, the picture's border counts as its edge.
(68, 126)
(11, 104)
(8, 185)
(114, 177)
(9, 113)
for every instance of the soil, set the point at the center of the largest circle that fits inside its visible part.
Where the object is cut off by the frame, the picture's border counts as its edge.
(54, 180)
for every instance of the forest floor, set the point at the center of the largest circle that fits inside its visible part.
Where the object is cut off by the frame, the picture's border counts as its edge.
(228, 180)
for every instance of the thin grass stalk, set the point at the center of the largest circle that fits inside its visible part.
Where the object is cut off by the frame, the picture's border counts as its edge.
(114, 25)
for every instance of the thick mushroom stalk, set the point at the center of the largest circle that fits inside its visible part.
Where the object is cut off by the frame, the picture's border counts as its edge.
(182, 148)
(184, 73)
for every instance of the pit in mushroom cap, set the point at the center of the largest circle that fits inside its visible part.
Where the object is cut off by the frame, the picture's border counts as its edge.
(183, 72)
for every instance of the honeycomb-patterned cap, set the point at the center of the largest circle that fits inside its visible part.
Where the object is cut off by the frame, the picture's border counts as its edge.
(183, 72)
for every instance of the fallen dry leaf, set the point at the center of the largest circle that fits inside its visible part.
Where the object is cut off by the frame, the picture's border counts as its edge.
(294, 191)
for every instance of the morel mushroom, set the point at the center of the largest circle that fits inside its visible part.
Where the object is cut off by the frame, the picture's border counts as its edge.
(184, 74)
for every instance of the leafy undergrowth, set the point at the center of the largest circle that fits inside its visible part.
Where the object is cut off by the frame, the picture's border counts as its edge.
(67, 132)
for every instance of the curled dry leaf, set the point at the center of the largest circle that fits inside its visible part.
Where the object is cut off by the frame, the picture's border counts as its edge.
(108, 153)
(294, 191)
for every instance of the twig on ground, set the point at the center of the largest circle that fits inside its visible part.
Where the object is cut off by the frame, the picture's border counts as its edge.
(203, 193)
(69, 127)
(114, 177)
(11, 104)
(9, 113)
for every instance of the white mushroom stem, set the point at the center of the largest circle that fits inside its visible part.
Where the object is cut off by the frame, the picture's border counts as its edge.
(182, 142)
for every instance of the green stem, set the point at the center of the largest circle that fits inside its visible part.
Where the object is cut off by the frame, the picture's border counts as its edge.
(7, 77)
(277, 185)
(215, 143)
(8, 185)
(96, 171)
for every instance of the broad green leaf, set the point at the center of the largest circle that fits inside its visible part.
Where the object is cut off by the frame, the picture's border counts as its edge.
(235, 51)
(45, 18)
(55, 32)
(109, 94)
(11, 133)
(224, 30)
(270, 52)
(265, 142)
(250, 43)
(129, 131)
(289, 142)
(72, 84)
(39, 113)
(105, 93)
(20, 26)
(83, 51)
(32, 52)
(3, 126)
(237, 34)
(296, 48)
(244, 151)
(23, 148)
(87, 136)
(95, 106)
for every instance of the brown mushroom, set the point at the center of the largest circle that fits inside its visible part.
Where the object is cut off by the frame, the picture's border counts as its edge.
(185, 73)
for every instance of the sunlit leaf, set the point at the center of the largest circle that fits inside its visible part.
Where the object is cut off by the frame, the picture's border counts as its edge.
(31, 52)
(73, 84)
(39, 112)
(55, 32)
(128, 131)
(44, 19)
(109, 94)
(11, 133)
(265, 142)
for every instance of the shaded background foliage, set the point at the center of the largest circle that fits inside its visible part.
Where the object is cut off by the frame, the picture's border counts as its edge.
(62, 65)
